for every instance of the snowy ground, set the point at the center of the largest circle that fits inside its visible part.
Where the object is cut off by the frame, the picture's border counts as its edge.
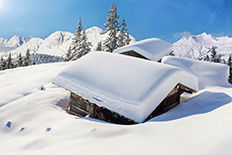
(33, 122)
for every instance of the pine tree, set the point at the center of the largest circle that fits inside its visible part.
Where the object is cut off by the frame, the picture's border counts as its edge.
(34, 62)
(230, 71)
(68, 56)
(219, 58)
(84, 46)
(206, 58)
(79, 46)
(123, 37)
(214, 57)
(99, 46)
(27, 61)
(122, 34)
(9, 63)
(19, 62)
(76, 40)
(127, 40)
(213, 54)
(3, 64)
(111, 42)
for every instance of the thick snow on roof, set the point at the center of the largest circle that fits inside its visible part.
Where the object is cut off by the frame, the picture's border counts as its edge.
(208, 73)
(127, 85)
(153, 48)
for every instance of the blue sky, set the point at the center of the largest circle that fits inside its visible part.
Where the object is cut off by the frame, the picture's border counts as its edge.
(165, 19)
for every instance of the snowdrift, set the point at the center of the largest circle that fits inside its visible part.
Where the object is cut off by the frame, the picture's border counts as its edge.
(208, 73)
(127, 85)
(153, 49)
(32, 123)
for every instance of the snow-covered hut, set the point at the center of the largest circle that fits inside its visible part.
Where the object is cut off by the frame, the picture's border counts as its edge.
(151, 49)
(122, 89)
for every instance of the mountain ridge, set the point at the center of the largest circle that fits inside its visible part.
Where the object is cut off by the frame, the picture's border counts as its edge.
(197, 46)
(56, 44)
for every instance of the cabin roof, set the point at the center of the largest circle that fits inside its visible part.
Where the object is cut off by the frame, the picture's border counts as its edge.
(153, 48)
(208, 73)
(129, 86)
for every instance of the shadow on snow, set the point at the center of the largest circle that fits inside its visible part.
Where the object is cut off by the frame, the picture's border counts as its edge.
(203, 103)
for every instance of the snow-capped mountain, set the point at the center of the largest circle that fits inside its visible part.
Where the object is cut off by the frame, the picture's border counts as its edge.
(13, 43)
(3, 41)
(56, 44)
(198, 45)
(16, 41)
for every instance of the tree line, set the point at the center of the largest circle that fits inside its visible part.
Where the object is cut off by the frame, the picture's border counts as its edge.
(20, 62)
(27, 60)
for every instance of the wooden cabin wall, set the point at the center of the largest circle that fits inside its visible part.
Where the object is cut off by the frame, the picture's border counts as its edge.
(81, 107)
(134, 54)
(171, 101)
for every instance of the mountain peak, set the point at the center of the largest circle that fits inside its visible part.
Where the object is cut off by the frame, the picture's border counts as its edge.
(94, 28)
(204, 33)
(17, 41)
(197, 46)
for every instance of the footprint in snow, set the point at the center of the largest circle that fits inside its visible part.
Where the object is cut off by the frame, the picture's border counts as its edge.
(41, 87)
(22, 128)
(8, 124)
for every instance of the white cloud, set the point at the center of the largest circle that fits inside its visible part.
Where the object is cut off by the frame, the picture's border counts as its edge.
(220, 34)
(179, 35)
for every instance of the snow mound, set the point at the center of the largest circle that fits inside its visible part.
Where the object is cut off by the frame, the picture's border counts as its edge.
(153, 49)
(127, 85)
(208, 73)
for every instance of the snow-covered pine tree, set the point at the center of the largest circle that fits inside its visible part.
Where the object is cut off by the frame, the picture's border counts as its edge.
(230, 71)
(68, 55)
(3, 64)
(127, 41)
(219, 58)
(112, 24)
(33, 63)
(19, 62)
(206, 58)
(9, 63)
(123, 37)
(84, 46)
(27, 61)
(76, 40)
(99, 46)
(213, 54)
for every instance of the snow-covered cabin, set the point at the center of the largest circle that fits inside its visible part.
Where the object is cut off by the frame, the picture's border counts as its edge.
(208, 73)
(122, 89)
(152, 49)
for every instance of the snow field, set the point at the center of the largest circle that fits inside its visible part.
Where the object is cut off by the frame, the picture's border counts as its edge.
(201, 125)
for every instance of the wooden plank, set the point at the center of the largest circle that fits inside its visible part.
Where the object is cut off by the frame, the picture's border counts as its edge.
(78, 111)
(82, 107)
(134, 54)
